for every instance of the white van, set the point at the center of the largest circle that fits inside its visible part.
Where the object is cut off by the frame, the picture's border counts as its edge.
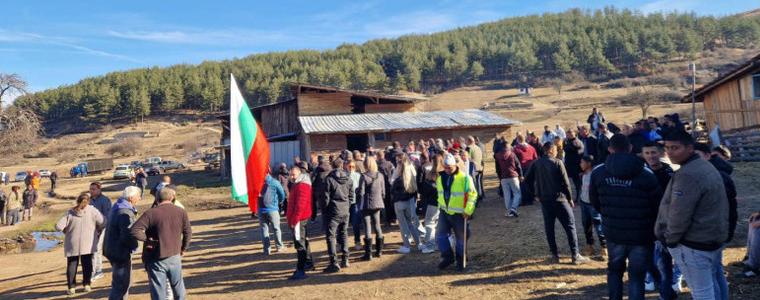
(153, 160)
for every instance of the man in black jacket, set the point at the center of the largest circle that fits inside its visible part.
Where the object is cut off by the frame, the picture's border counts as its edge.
(338, 194)
(548, 178)
(385, 167)
(663, 272)
(318, 178)
(589, 141)
(119, 244)
(626, 193)
(574, 149)
(602, 144)
(725, 169)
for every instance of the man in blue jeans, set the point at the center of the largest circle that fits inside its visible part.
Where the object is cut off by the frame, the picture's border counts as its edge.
(165, 233)
(548, 179)
(271, 197)
(693, 219)
(119, 244)
(663, 271)
(626, 193)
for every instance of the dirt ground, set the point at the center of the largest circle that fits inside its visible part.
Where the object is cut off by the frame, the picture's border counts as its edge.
(508, 260)
(508, 257)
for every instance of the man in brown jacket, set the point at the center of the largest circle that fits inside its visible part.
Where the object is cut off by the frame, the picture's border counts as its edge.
(693, 219)
(160, 229)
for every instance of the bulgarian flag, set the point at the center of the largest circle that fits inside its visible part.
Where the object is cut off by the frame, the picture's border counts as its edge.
(249, 158)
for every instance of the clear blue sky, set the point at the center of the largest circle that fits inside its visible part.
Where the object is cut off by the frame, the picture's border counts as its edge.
(52, 43)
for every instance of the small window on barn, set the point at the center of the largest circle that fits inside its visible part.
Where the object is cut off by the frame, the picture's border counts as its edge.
(756, 86)
(381, 136)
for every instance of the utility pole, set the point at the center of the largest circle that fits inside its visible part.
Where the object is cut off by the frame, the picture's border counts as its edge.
(693, 68)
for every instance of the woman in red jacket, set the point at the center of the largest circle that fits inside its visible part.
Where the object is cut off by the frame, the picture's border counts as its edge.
(298, 212)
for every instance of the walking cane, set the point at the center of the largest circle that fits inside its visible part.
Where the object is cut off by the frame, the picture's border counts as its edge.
(464, 251)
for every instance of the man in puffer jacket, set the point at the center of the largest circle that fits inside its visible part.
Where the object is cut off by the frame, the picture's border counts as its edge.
(298, 212)
(339, 194)
(626, 193)
(272, 195)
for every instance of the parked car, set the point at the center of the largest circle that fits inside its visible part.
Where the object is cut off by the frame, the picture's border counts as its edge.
(167, 165)
(152, 169)
(135, 164)
(122, 172)
(20, 176)
(44, 173)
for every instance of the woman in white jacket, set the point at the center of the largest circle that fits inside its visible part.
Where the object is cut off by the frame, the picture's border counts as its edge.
(82, 226)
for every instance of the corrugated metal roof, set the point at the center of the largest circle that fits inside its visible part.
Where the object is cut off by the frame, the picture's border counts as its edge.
(382, 122)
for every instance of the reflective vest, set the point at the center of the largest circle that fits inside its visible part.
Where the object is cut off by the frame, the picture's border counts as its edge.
(463, 195)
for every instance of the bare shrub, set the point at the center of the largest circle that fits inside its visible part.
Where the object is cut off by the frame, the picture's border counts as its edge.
(20, 130)
(125, 147)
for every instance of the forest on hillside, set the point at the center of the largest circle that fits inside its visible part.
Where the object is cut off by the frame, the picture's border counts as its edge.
(602, 44)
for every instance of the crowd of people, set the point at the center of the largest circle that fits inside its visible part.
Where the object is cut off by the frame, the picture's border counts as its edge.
(17, 205)
(440, 180)
(96, 227)
(659, 204)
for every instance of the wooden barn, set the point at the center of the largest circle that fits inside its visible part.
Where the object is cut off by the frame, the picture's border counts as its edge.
(323, 119)
(732, 101)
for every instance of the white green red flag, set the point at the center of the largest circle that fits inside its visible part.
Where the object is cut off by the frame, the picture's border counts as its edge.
(249, 151)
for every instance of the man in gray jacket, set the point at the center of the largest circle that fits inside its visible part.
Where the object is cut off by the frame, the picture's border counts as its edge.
(103, 204)
(693, 219)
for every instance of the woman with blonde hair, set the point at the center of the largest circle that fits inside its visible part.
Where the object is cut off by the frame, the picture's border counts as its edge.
(82, 226)
(370, 195)
(404, 197)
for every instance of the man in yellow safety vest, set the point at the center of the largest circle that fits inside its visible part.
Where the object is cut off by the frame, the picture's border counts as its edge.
(457, 195)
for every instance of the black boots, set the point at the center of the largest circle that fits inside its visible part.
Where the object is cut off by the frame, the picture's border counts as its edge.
(445, 263)
(378, 246)
(333, 267)
(344, 261)
(367, 250)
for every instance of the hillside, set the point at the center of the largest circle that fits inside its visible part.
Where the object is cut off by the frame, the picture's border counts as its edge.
(577, 44)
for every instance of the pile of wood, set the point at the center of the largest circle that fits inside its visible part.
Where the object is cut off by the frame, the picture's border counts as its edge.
(744, 145)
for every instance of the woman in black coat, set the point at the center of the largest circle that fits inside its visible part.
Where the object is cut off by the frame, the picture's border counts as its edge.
(370, 195)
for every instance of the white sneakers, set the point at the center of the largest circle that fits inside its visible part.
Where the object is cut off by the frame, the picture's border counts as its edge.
(427, 250)
(649, 286)
(71, 292)
(404, 250)
(97, 276)
(87, 288)
(677, 286)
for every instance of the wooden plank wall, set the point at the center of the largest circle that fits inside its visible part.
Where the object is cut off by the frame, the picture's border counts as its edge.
(280, 119)
(401, 107)
(313, 104)
(325, 144)
(731, 105)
